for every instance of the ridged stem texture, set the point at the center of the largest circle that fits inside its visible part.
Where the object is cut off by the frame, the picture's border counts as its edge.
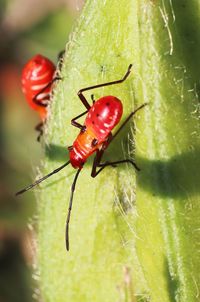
(133, 236)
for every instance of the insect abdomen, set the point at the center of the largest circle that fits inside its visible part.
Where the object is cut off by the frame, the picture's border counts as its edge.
(103, 116)
(37, 73)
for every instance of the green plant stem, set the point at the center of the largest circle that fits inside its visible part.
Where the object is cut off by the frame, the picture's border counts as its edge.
(122, 248)
(168, 152)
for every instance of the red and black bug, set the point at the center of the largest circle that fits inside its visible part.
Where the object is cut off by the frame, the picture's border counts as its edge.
(95, 136)
(38, 75)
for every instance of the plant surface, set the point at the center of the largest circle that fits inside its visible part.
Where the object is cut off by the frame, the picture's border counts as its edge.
(132, 237)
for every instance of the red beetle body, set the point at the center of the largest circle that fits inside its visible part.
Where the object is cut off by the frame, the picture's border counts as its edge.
(102, 117)
(36, 75)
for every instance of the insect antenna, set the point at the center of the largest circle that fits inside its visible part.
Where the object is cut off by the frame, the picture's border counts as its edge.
(41, 179)
(70, 208)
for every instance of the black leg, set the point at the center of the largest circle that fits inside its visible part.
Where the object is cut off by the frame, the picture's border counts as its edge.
(92, 98)
(39, 102)
(70, 208)
(60, 60)
(127, 120)
(97, 160)
(61, 54)
(39, 128)
(80, 92)
(97, 164)
(75, 124)
(112, 136)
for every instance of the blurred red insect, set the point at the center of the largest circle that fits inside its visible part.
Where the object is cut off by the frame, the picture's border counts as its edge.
(95, 136)
(38, 75)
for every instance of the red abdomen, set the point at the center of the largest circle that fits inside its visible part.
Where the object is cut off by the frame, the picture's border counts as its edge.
(103, 116)
(37, 73)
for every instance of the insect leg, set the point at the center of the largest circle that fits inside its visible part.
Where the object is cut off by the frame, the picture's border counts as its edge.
(97, 159)
(35, 99)
(39, 128)
(70, 208)
(61, 54)
(75, 124)
(124, 123)
(80, 92)
(60, 60)
(105, 145)
(37, 182)
(92, 98)
(97, 163)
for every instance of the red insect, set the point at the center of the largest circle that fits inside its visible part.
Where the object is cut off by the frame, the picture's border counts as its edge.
(38, 76)
(95, 136)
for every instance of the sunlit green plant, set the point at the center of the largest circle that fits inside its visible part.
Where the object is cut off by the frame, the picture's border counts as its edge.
(133, 237)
